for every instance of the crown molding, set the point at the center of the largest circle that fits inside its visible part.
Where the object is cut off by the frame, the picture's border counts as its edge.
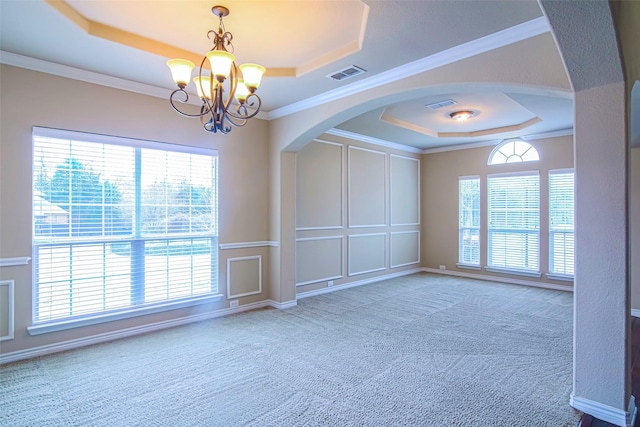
(66, 71)
(371, 140)
(466, 50)
(493, 41)
(384, 143)
(34, 64)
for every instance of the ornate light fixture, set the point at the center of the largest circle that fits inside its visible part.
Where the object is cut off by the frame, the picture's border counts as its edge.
(215, 113)
(461, 116)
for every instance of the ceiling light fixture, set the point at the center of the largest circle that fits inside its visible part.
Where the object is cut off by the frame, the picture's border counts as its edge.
(215, 113)
(461, 116)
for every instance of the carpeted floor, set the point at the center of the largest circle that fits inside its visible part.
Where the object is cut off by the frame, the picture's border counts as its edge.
(420, 350)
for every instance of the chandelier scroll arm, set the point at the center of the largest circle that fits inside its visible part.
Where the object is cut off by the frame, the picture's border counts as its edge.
(218, 88)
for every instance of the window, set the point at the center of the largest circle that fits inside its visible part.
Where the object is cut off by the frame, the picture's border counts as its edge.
(561, 245)
(120, 224)
(513, 151)
(513, 211)
(469, 222)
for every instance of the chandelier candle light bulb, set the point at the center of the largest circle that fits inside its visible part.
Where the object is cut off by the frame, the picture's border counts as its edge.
(218, 88)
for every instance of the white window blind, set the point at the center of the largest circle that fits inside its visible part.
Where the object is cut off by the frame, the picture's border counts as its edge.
(469, 221)
(513, 211)
(561, 213)
(120, 224)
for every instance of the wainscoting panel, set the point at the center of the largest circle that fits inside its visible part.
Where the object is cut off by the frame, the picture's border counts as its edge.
(6, 310)
(405, 190)
(405, 248)
(367, 188)
(319, 183)
(318, 259)
(367, 253)
(244, 276)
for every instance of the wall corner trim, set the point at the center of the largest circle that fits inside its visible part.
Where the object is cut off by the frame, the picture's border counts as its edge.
(604, 412)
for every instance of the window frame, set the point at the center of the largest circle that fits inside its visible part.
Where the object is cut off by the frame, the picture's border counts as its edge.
(505, 269)
(555, 274)
(461, 229)
(498, 149)
(132, 310)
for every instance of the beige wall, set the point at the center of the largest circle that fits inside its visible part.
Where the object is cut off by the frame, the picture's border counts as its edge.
(34, 99)
(634, 227)
(351, 226)
(440, 173)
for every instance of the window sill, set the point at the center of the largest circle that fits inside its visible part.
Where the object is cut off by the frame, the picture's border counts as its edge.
(514, 271)
(559, 276)
(94, 319)
(469, 266)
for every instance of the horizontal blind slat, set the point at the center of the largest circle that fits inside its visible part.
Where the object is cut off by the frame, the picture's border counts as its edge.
(99, 247)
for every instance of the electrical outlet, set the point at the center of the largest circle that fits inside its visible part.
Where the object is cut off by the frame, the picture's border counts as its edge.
(330, 283)
(443, 267)
(233, 303)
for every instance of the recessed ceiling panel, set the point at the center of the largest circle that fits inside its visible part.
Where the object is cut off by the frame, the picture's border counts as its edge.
(492, 111)
(273, 33)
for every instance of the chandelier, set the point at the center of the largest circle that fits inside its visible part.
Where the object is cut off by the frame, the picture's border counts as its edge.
(218, 87)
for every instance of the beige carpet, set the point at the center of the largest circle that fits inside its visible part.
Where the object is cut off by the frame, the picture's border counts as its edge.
(421, 350)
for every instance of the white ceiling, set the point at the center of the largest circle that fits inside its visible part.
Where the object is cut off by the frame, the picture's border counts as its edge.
(125, 44)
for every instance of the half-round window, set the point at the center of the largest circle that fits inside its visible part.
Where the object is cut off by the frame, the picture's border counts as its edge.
(513, 151)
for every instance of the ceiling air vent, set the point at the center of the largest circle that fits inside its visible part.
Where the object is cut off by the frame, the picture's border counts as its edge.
(346, 73)
(440, 104)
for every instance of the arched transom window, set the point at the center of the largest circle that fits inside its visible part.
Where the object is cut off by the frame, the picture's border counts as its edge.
(513, 151)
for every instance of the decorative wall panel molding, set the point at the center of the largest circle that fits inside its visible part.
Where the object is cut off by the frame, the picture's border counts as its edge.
(367, 253)
(244, 276)
(319, 259)
(404, 178)
(367, 206)
(6, 310)
(319, 186)
(405, 248)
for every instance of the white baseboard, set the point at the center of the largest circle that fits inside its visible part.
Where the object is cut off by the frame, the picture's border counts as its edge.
(137, 330)
(635, 312)
(607, 413)
(282, 305)
(329, 289)
(500, 279)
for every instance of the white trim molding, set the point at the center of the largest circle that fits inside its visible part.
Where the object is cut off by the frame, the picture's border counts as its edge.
(10, 309)
(62, 325)
(244, 245)
(385, 189)
(323, 279)
(606, 413)
(334, 288)
(349, 256)
(11, 262)
(138, 330)
(513, 271)
(508, 280)
(238, 259)
(394, 233)
(371, 140)
(472, 48)
(391, 204)
(635, 312)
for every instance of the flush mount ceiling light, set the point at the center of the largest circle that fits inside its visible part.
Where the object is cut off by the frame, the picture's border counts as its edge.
(461, 116)
(218, 87)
